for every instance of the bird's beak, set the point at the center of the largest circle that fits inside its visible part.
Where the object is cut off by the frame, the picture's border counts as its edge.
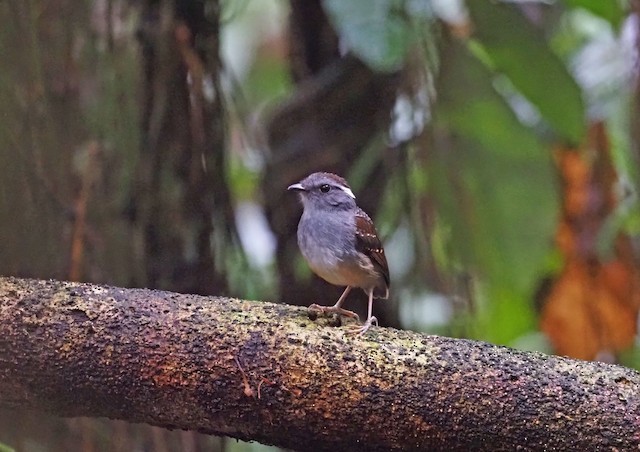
(297, 187)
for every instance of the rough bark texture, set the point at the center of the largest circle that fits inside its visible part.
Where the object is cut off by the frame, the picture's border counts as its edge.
(175, 361)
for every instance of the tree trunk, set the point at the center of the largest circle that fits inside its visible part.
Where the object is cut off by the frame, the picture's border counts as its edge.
(265, 372)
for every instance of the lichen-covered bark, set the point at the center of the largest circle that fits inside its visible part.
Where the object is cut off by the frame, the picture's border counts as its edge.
(263, 371)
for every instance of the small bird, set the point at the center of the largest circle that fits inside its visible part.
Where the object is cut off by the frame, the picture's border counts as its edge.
(340, 243)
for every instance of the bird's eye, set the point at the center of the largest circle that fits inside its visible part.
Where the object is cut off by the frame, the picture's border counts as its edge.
(325, 188)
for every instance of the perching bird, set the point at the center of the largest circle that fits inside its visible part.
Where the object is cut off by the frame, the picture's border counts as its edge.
(340, 243)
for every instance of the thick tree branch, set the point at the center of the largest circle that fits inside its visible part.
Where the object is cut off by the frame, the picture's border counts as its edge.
(264, 371)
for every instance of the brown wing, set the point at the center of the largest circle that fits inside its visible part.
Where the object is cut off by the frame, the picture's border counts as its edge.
(368, 242)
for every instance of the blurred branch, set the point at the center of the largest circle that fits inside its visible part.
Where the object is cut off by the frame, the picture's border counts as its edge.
(88, 177)
(263, 371)
(181, 202)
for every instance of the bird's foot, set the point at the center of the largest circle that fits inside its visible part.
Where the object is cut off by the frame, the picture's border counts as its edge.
(316, 310)
(361, 329)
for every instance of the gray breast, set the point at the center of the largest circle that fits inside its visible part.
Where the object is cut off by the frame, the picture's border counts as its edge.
(326, 240)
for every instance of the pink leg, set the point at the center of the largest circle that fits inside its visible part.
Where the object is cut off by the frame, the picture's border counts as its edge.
(360, 330)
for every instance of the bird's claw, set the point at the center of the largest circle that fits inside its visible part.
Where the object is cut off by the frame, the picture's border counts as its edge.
(360, 330)
(316, 310)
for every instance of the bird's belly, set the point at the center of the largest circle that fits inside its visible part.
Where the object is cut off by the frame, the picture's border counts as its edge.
(323, 246)
(332, 275)
(344, 273)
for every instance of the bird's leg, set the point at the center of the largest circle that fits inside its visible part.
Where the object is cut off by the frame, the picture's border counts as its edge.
(371, 320)
(336, 308)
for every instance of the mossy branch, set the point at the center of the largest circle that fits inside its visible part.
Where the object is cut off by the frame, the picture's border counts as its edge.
(263, 371)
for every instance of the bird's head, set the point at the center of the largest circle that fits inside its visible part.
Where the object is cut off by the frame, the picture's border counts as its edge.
(325, 191)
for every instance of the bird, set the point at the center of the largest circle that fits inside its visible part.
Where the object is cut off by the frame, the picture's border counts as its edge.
(340, 243)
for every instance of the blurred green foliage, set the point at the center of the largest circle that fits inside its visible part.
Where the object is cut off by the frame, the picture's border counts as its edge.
(516, 48)
(495, 191)
(502, 96)
(612, 11)
(375, 30)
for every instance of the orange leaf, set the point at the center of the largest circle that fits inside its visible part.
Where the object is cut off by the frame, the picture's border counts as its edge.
(592, 305)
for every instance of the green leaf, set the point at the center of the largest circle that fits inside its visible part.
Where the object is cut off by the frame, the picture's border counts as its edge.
(609, 10)
(377, 31)
(517, 49)
(5, 448)
(494, 187)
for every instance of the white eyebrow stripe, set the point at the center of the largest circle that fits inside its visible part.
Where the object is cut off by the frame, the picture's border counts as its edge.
(347, 190)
